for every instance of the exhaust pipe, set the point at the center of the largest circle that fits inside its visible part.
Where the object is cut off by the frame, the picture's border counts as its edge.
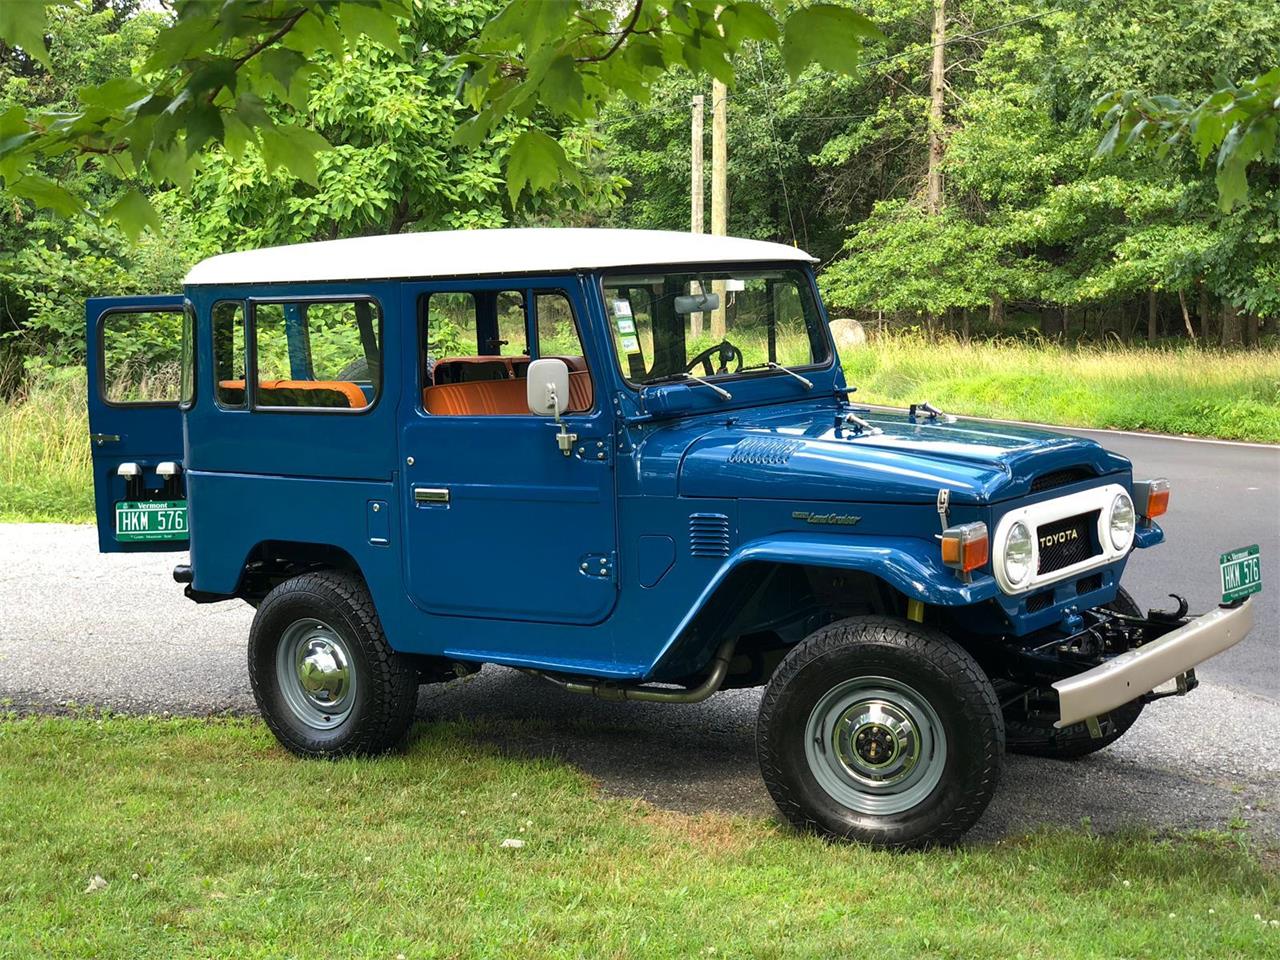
(605, 690)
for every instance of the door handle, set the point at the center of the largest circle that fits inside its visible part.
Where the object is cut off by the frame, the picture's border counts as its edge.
(430, 494)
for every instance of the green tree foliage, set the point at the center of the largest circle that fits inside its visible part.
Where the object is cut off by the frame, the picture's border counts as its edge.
(239, 74)
(393, 165)
(1032, 215)
(50, 264)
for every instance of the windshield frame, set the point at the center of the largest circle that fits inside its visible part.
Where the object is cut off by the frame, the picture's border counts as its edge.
(756, 373)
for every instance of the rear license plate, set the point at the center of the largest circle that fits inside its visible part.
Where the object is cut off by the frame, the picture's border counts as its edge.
(1241, 573)
(151, 520)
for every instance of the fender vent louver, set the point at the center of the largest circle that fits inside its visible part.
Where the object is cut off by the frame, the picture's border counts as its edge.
(708, 535)
(763, 450)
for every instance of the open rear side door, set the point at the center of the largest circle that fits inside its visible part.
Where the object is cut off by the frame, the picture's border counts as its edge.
(137, 350)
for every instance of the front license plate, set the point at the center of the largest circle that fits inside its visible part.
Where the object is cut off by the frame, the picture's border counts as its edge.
(151, 520)
(1241, 573)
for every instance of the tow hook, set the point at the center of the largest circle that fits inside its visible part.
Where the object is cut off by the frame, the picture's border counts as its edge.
(1164, 616)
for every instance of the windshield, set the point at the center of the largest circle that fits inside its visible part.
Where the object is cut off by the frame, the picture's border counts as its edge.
(712, 322)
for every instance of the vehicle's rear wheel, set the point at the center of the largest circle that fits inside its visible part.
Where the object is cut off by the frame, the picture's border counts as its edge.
(882, 731)
(1028, 722)
(326, 680)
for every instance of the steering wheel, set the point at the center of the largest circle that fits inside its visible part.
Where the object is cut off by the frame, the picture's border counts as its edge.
(728, 354)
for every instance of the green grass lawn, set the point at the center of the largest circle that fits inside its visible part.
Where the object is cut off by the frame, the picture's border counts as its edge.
(1179, 390)
(44, 448)
(214, 843)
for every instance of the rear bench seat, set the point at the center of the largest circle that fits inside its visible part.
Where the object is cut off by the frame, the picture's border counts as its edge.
(285, 393)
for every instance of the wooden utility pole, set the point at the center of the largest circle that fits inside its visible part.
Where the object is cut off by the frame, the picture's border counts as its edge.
(695, 191)
(719, 186)
(937, 81)
(695, 153)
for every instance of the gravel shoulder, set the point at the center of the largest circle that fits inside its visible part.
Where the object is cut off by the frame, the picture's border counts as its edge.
(78, 629)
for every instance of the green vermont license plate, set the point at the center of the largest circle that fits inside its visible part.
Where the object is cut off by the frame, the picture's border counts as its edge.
(151, 520)
(1241, 573)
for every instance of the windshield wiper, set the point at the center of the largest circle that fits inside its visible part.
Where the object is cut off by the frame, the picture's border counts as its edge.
(804, 381)
(676, 377)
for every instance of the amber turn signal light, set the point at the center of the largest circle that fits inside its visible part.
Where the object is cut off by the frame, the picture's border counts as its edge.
(1151, 497)
(966, 547)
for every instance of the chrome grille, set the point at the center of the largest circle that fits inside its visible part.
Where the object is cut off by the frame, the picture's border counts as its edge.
(1068, 541)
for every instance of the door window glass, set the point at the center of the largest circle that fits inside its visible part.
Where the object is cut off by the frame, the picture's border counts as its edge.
(318, 354)
(228, 354)
(187, 387)
(470, 371)
(142, 356)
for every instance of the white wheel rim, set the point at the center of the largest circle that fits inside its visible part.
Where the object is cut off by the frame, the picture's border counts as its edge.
(315, 675)
(875, 745)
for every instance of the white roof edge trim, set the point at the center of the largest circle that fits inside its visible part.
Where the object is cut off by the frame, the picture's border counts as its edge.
(463, 253)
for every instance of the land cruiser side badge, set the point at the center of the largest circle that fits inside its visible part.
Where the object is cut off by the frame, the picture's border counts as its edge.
(833, 519)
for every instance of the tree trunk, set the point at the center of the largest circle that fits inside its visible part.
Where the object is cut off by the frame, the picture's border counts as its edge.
(996, 314)
(1269, 325)
(937, 78)
(1230, 325)
(964, 324)
(1248, 330)
(1186, 317)
(1206, 319)
(1049, 323)
(1153, 318)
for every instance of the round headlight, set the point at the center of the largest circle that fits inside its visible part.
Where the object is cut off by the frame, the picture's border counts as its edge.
(1017, 554)
(1123, 520)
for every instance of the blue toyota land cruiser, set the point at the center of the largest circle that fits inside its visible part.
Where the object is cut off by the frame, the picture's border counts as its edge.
(628, 462)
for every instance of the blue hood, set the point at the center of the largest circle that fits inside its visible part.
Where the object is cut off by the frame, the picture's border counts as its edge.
(799, 454)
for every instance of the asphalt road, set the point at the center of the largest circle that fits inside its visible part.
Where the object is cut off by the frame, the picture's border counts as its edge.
(115, 631)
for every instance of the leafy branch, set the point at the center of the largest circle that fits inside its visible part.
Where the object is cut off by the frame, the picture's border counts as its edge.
(1241, 123)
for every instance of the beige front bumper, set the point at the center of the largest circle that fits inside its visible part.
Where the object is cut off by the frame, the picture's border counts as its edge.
(1130, 675)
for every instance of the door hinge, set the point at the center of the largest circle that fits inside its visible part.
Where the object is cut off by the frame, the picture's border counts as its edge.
(587, 448)
(599, 566)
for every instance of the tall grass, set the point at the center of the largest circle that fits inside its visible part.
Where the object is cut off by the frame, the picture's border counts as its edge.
(44, 451)
(1179, 390)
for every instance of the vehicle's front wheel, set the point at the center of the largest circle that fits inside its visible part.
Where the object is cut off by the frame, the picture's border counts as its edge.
(326, 680)
(882, 731)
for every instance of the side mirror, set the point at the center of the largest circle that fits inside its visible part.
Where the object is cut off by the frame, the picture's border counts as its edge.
(547, 387)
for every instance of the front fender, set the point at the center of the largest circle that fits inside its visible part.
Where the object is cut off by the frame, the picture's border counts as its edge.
(910, 565)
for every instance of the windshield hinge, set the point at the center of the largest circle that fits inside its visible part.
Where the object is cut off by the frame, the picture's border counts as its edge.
(944, 508)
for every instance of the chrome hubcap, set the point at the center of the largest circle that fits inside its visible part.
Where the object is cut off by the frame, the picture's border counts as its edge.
(875, 745)
(313, 670)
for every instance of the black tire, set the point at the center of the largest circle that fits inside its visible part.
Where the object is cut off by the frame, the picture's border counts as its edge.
(873, 651)
(1028, 723)
(379, 689)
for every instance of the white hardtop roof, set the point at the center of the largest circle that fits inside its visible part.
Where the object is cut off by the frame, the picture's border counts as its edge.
(462, 253)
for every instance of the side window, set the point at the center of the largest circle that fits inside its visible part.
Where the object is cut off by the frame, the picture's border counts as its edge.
(513, 326)
(477, 349)
(317, 354)
(142, 356)
(557, 332)
(228, 354)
